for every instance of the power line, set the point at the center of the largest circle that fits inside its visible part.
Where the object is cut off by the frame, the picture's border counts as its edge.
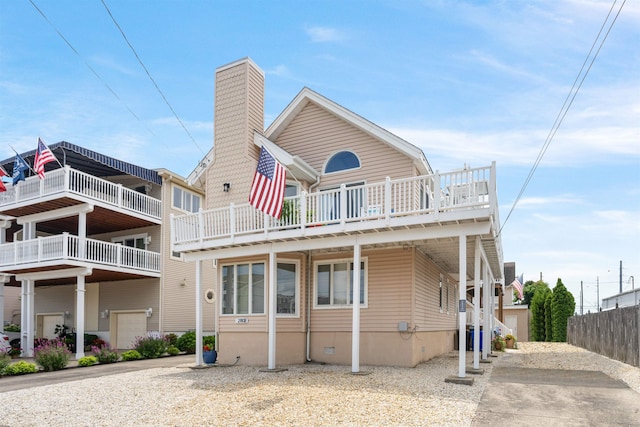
(166, 101)
(566, 105)
(95, 73)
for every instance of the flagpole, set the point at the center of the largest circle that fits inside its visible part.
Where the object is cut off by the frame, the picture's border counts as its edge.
(25, 162)
(54, 156)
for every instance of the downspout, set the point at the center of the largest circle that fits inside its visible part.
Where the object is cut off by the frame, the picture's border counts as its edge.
(308, 356)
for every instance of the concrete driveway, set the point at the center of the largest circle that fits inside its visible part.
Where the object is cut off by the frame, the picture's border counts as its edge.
(524, 396)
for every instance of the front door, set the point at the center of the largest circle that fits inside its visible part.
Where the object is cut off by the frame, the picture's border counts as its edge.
(511, 322)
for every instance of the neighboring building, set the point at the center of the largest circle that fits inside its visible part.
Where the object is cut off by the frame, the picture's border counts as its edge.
(623, 299)
(89, 248)
(516, 317)
(364, 210)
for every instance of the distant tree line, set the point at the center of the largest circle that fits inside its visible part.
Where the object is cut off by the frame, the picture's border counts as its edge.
(550, 310)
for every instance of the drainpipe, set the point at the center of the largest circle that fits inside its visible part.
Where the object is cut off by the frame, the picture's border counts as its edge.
(308, 306)
(308, 356)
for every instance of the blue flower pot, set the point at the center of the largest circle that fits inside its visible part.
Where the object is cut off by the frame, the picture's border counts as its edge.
(209, 357)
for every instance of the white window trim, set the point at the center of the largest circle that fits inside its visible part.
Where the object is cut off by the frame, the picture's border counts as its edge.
(183, 190)
(235, 301)
(144, 236)
(340, 306)
(324, 166)
(297, 312)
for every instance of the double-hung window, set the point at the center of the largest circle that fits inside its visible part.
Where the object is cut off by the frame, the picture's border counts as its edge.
(243, 288)
(287, 292)
(334, 283)
(185, 200)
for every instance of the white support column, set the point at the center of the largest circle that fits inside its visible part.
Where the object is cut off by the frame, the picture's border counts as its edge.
(24, 311)
(476, 306)
(355, 328)
(199, 313)
(462, 304)
(80, 302)
(31, 318)
(273, 292)
(487, 288)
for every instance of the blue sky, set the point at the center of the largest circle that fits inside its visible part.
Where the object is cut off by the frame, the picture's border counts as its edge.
(468, 82)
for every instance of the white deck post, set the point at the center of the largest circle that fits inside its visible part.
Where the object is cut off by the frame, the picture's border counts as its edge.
(273, 291)
(355, 328)
(199, 313)
(31, 317)
(462, 303)
(80, 291)
(476, 306)
(486, 345)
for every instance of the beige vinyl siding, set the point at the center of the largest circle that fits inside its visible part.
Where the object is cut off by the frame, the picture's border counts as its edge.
(389, 294)
(179, 278)
(131, 295)
(315, 134)
(12, 304)
(427, 298)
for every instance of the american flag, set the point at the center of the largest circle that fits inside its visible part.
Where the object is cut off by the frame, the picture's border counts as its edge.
(518, 286)
(43, 156)
(267, 189)
(2, 173)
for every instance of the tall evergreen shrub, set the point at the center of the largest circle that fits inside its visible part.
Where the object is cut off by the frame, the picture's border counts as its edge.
(563, 307)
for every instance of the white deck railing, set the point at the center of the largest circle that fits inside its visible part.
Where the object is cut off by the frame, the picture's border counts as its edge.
(80, 183)
(497, 324)
(464, 189)
(72, 248)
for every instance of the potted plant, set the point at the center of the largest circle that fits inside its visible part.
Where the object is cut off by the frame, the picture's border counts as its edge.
(209, 355)
(498, 343)
(510, 341)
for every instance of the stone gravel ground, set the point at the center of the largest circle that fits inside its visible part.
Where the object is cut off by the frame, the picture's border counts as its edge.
(303, 395)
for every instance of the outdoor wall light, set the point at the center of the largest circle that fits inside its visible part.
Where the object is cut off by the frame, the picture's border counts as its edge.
(149, 311)
(226, 186)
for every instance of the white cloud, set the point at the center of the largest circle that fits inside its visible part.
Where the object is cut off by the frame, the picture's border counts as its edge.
(324, 34)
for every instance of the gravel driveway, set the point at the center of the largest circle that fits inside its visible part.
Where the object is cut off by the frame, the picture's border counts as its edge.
(303, 395)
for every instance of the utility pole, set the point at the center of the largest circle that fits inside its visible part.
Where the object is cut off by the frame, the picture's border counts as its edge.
(581, 298)
(598, 292)
(621, 276)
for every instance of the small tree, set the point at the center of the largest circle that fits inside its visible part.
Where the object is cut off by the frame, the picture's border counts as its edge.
(562, 308)
(548, 324)
(537, 329)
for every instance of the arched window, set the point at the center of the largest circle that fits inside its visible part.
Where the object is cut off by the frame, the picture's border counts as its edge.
(342, 160)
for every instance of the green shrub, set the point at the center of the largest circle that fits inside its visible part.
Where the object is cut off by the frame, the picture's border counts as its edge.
(173, 350)
(187, 342)
(5, 359)
(87, 361)
(209, 340)
(20, 368)
(131, 355)
(52, 355)
(105, 354)
(172, 339)
(12, 327)
(151, 347)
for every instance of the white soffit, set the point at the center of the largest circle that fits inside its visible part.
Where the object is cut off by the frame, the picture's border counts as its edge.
(294, 164)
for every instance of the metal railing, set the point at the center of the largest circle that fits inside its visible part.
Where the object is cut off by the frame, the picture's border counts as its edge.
(420, 195)
(68, 247)
(80, 183)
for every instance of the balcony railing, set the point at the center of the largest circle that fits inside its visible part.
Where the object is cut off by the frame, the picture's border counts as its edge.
(66, 247)
(422, 195)
(80, 183)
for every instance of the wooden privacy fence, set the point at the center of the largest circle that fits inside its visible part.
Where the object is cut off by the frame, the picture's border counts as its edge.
(612, 333)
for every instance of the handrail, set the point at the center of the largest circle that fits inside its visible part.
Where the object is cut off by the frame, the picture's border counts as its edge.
(428, 194)
(81, 183)
(69, 247)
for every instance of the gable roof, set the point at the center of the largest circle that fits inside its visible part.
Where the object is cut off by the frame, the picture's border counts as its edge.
(307, 95)
(87, 161)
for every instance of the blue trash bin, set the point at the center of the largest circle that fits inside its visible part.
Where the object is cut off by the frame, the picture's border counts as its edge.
(472, 340)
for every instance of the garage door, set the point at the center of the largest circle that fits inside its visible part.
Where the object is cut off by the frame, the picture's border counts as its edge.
(129, 326)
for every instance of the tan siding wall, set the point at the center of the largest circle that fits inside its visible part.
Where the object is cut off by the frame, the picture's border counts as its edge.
(427, 303)
(315, 134)
(239, 110)
(131, 295)
(178, 301)
(389, 294)
(12, 304)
